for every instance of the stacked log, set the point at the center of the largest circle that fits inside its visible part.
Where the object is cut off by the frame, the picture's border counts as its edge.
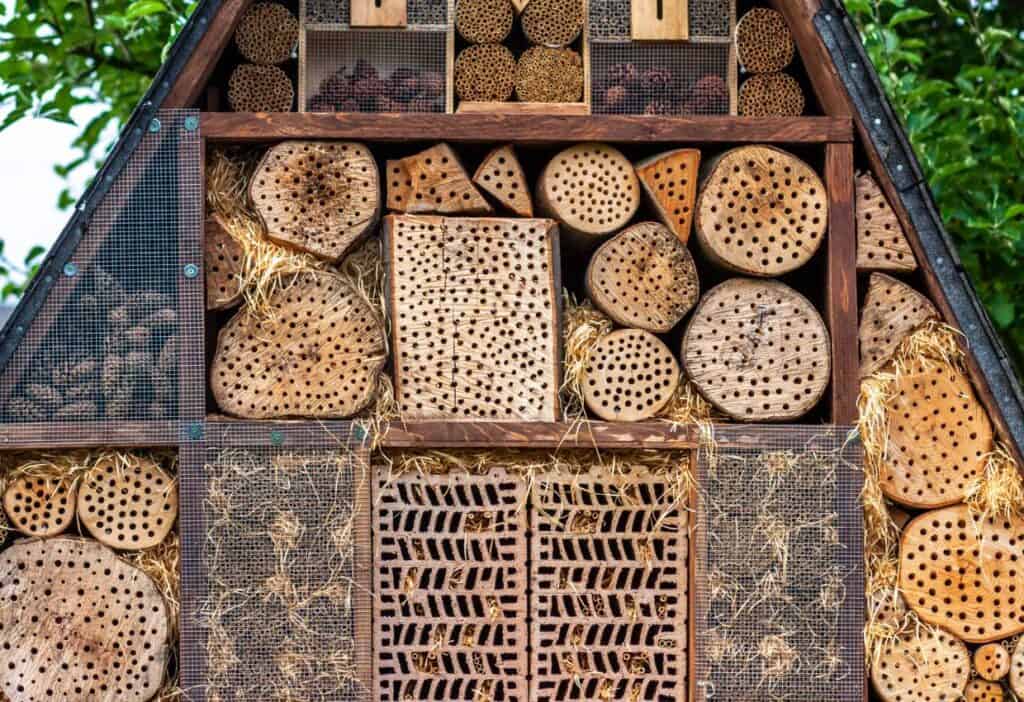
(255, 88)
(266, 37)
(929, 665)
(128, 506)
(553, 22)
(40, 505)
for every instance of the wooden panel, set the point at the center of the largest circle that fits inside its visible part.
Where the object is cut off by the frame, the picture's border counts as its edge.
(379, 13)
(203, 59)
(660, 19)
(841, 283)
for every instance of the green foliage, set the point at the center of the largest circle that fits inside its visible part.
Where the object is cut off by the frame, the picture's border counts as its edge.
(955, 72)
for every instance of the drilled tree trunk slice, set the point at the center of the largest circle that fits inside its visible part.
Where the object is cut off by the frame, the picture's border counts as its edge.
(433, 181)
(40, 506)
(128, 505)
(87, 627)
(223, 257)
(928, 666)
(631, 375)
(318, 196)
(892, 310)
(1017, 669)
(670, 183)
(501, 175)
(761, 211)
(938, 437)
(484, 21)
(964, 574)
(547, 74)
(474, 309)
(319, 355)
(881, 242)
(992, 661)
(758, 350)
(485, 73)
(764, 43)
(644, 278)
(983, 691)
(771, 95)
(552, 22)
(591, 189)
(255, 88)
(267, 33)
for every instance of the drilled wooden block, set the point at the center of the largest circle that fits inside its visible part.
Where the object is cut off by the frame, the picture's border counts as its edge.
(771, 95)
(484, 21)
(992, 661)
(961, 573)
(501, 176)
(223, 257)
(267, 33)
(128, 504)
(930, 665)
(552, 22)
(1016, 680)
(670, 182)
(609, 578)
(881, 242)
(450, 580)
(764, 43)
(474, 307)
(433, 181)
(40, 506)
(892, 310)
(257, 88)
(630, 376)
(983, 691)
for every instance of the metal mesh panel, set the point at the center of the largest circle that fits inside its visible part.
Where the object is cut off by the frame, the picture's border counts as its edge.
(418, 12)
(116, 336)
(610, 19)
(779, 603)
(276, 566)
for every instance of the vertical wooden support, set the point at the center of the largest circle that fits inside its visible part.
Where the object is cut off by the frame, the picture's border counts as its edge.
(660, 20)
(841, 281)
(379, 13)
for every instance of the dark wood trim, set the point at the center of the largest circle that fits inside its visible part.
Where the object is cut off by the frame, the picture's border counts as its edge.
(203, 60)
(59, 435)
(538, 129)
(543, 435)
(841, 283)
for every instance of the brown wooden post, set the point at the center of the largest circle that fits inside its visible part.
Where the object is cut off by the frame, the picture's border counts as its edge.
(841, 282)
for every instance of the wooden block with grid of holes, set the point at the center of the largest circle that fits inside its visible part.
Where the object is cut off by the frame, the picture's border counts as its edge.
(892, 310)
(474, 305)
(939, 436)
(928, 665)
(881, 242)
(450, 612)
(992, 661)
(40, 505)
(501, 175)
(130, 504)
(958, 571)
(223, 257)
(433, 181)
(670, 182)
(609, 595)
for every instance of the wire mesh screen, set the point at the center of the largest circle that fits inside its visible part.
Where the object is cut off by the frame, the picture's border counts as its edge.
(106, 344)
(611, 19)
(779, 592)
(276, 567)
(418, 12)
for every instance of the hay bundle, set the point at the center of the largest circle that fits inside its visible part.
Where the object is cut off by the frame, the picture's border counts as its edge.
(549, 74)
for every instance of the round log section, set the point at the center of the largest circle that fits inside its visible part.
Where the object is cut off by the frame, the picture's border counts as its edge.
(992, 661)
(547, 74)
(485, 73)
(267, 33)
(983, 691)
(223, 257)
(771, 95)
(758, 351)
(255, 88)
(892, 310)
(927, 666)
(502, 177)
(87, 626)
(484, 21)
(882, 244)
(959, 572)
(631, 375)
(670, 182)
(939, 436)
(761, 211)
(318, 355)
(552, 22)
(644, 278)
(1017, 669)
(764, 43)
(318, 196)
(590, 189)
(128, 505)
(40, 505)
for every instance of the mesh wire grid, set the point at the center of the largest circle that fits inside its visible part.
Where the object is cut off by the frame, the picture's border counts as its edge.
(709, 19)
(119, 336)
(418, 12)
(779, 579)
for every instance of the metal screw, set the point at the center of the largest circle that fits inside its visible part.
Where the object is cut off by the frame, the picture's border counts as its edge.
(20, 329)
(855, 65)
(829, 17)
(191, 270)
(191, 123)
(878, 121)
(276, 437)
(70, 269)
(154, 125)
(360, 432)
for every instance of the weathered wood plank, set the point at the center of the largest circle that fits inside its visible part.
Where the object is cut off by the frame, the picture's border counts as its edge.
(841, 283)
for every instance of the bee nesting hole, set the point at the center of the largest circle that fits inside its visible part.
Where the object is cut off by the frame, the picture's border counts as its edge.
(223, 257)
(631, 375)
(548, 74)
(771, 95)
(983, 691)
(992, 661)
(484, 21)
(892, 310)
(761, 211)
(267, 33)
(670, 182)
(433, 181)
(39, 505)
(553, 22)
(881, 242)
(1016, 679)
(318, 354)
(501, 175)
(644, 278)
(317, 196)
(930, 666)
(255, 88)
(86, 625)
(764, 43)
(758, 350)
(485, 73)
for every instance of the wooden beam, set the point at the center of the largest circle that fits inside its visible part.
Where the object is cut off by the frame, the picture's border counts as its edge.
(660, 435)
(203, 60)
(61, 435)
(841, 282)
(539, 129)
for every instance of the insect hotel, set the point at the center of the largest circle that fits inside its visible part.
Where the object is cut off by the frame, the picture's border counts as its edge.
(509, 351)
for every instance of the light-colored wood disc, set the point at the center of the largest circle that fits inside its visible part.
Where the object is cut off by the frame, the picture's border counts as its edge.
(223, 257)
(771, 95)
(758, 350)
(964, 574)
(40, 506)
(643, 277)
(939, 436)
(930, 665)
(256, 88)
(591, 189)
(881, 242)
(1017, 669)
(631, 375)
(318, 196)
(764, 43)
(128, 504)
(78, 624)
(433, 181)
(267, 33)
(983, 691)
(318, 355)
(670, 182)
(892, 310)
(501, 176)
(761, 211)
(992, 661)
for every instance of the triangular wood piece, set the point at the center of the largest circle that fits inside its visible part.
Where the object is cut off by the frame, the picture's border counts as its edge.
(502, 177)
(433, 182)
(670, 181)
(892, 310)
(223, 256)
(881, 242)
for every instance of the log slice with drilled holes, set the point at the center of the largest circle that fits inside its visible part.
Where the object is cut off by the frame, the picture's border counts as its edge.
(929, 665)
(318, 353)
(891, 311)
(670, 182)
(758, 350)
(761, 211)
(764, 43)
(1016, 680)
(433, 181)
(983, 691)
(267, 33)
(40, 506)
(964, 574)
(631, 375)
(485, 73)
(318, 196)
(255, 88)
(992, 661)
(549, 74)
(643, 277)
(87, 627)
(881, 242)
(223, 257)
(130, 504)
(501, 175)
